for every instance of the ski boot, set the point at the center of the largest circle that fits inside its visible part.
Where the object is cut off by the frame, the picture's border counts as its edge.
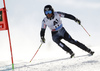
(91, 52)
(72, 55)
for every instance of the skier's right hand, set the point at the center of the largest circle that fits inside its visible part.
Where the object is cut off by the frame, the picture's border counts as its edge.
(42, 39)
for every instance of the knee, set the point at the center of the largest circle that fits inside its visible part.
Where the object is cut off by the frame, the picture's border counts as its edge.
(61, 44)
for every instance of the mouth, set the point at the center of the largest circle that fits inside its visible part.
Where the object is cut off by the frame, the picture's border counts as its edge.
(49, 15)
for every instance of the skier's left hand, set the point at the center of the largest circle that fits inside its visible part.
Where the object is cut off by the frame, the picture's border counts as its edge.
(78, 21)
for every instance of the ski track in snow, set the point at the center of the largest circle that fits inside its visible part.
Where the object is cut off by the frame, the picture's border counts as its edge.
(78, 63)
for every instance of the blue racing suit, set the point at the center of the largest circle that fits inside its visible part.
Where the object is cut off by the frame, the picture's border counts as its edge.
(58, 31)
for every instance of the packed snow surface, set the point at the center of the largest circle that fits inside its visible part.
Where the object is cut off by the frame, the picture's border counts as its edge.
(81, 62)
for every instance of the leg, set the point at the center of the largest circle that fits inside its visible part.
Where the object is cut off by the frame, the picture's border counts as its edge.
(62, 45)
(80, 45)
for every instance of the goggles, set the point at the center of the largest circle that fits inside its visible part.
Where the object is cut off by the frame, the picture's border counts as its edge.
(48, 12)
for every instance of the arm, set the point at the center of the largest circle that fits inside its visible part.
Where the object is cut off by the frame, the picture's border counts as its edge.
(42, 32)
(65, 15)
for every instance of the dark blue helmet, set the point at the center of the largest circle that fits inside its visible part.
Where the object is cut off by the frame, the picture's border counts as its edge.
(48, 8)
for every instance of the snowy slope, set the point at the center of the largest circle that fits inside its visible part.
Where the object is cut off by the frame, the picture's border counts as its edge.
(81, 62)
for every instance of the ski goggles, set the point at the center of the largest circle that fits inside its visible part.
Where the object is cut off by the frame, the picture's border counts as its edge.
(48, 12)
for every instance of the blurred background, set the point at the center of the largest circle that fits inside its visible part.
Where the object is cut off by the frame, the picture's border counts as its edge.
(25, 17)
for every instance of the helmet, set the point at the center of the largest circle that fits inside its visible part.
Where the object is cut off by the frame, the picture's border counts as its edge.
(47, 8)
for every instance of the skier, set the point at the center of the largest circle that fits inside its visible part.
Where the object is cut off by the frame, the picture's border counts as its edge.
(53, 21)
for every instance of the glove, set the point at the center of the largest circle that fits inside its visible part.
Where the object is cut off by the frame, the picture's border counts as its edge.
(42, 39)
(78, 21)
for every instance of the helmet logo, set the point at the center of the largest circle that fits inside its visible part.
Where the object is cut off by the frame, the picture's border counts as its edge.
(46, 9)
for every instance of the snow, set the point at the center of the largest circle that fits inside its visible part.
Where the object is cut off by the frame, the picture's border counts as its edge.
(81, 62)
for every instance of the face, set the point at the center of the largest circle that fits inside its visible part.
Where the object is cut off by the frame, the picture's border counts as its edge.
(49, 13)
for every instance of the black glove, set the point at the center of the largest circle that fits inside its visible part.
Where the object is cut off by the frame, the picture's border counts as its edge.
(78, 21)
(42, 39)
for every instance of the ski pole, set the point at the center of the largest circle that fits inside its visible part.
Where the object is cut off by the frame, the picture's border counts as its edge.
(36, 52)
(85, 30)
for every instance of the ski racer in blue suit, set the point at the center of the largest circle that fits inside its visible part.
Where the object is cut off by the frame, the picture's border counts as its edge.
(53, 21)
